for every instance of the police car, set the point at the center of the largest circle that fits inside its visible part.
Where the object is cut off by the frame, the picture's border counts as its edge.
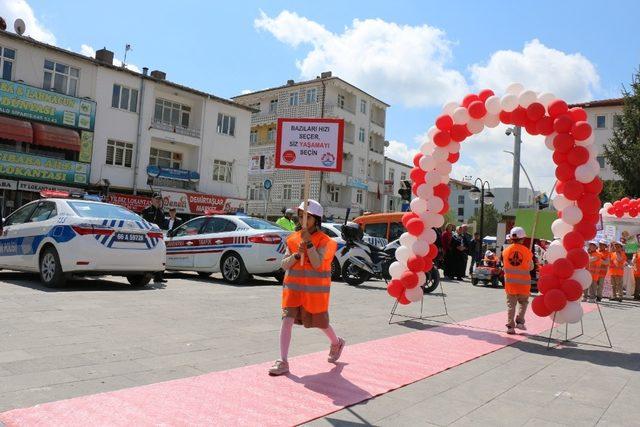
(59, 236)
(236, 246)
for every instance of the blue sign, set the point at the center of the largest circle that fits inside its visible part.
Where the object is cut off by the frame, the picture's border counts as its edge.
(178, 174)
(267, 184)
(356, 183)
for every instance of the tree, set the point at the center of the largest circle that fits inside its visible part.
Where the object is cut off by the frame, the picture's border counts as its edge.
(490, 222)
(612, 191)
(623, 150)
(449, 218)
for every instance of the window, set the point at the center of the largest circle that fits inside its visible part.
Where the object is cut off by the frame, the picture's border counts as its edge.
(392, 174)
(7, 56)
(226, 124)
(119, 153)
(190, 228)
(361, 135)
(293, 99)
(102, 210)
(359, 197)
(376, 229)
(260, 224)
(302, 192)
(165, 159)
(311, 96)
(395, 230)
(461, 199)
(286, 192)
(21, 215)
(255, 192)
(600, 160)
(222, 170)
(218, 225)
(60, 78)
(601, 122)
(43, 212)
(334, 193)
(363, 106)
(253, 137)
(341, 101)
(460, 211)
(271, 135)
(273, 105)
(476, 210)
(403, 176)
(124, 98)
(172, 113)
(391, 209)
(617, 121)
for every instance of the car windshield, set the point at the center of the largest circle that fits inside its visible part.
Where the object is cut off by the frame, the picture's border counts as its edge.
(102, 210)
(260, 224)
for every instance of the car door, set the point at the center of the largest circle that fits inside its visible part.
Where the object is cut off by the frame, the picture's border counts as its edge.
(183, 244)
(37, 227)
(217, 234)
(15, 228)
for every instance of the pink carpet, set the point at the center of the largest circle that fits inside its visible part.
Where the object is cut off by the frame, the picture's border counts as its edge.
(247, 396)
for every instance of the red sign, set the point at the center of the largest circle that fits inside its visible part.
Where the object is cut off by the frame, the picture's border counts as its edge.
(132, 202)
(200, 203)
(310, 144)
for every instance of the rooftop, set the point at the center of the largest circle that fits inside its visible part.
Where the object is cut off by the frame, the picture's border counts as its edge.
(398, 162)
(613, 102)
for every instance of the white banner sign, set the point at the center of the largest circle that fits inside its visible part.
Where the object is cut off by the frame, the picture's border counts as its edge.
(37, 187)
(310, 144)
(6, 184)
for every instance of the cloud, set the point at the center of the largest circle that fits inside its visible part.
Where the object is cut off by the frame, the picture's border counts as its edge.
(89, 51)
(570, 76)
(399, 63)
(245, 91)
(14, 9)
(401, 152)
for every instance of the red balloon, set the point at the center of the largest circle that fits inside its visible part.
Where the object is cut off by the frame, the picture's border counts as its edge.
(546, 283)
(409, 279)
(407, 217)
(445, 208)
(611, 210)
(505, 117)
(633, 212)
(467, 100)
(535, 111)
(519, 116)
(573, 190)
(557, 107)
(563, 142)
(589, 203)
(565, 172)
(555, 300)
(414, 189)
(578, 156)
(477, 110)
(531, 127)
(545, 126)
(458, 133)
(539, 307)
(619, 213)
(546, 270)
(578, 257)
(484, 94)
(428, 264)
(402, 299)
(559, 157)
(571, 289)
(417, 176)
(572, 240)
(433, 251)
(591, 219)
(453, 157)
(618, 203)
(415, 226)
(563, 268)
(560, 187)
(586, 230)
(444, 122)
(395, 288)
(581, 130)
(441, 138)
(563, 123)
(415, 263)
(416, 159)
(442, 190)
(578, 114)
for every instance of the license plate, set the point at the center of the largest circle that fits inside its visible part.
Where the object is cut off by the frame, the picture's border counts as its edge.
(129, 237)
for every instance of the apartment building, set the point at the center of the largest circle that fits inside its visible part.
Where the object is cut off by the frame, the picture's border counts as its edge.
(394, 172)
(360, 185)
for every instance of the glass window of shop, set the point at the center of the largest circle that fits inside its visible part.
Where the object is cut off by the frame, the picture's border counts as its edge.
(60, 78)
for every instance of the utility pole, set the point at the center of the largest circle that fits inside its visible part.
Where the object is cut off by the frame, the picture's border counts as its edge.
(515, 183)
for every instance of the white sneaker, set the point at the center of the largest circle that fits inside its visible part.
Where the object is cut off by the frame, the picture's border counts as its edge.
(280, 367)
(336, 351)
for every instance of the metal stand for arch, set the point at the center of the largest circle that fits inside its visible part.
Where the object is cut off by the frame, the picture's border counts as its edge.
(422, 316)
(566, 332)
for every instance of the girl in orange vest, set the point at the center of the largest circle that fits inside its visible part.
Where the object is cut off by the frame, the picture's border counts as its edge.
(636, 273)
(594, 268)
(307, 281)
(605, 260)
(616, 270)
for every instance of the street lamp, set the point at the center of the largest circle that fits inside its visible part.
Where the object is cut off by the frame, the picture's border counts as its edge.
(483, 193)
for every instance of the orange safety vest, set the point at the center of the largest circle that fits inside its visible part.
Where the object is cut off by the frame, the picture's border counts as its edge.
(636, 270)
(616, 268)
(605, 260)
(303, 285)
(594, 265)
(517, 267)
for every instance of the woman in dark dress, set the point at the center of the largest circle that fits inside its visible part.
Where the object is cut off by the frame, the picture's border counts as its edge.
(447, 235)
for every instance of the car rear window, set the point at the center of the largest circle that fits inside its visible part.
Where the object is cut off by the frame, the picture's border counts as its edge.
(102, 210)
(260, 224)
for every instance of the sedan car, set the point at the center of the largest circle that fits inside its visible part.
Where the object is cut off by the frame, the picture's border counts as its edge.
(236, 246)
(59, 237)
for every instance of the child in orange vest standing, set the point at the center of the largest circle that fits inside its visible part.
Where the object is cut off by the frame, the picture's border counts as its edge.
(518, 263)
(616, 270)
(605, 260)
(306, 286)
(594, 268)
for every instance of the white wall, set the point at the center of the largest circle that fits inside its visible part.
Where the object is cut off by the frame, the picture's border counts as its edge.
(602, 135)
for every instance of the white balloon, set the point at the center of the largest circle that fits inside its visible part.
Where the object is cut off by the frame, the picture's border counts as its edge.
(407, 239)
(527, 97)
(558, 317)
(492, 104)
(560, 202)
(585, 173)
(414, 294)
(424, 191)
(418, 205)
(572, 312)
(491, 120)
(396, 269)
(426, 147)
(515, 88)
(429, 219)
(509, 102)
(572, 215)
(439, 221)
(583, 277)
(444, 179)
(546, 98)
(440, 153)
(587, 142)
(595, 166)
(460, 116)
(432, 131)
(427, 163)
(429, 236)
(431, 179)
(475, 126)
(422, 278)
(419, 248)
(555, 251)
(559, 228)
(453, 147)
(435, 204)
(607, 205)
(443, 168)
(548, 141)
(450, 107)
(403, 254)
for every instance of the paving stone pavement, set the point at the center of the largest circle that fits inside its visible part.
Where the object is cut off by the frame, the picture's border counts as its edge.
(100, 335)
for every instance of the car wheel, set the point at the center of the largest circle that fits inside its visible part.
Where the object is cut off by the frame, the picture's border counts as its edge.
(335, 270)
(51, 273)
(354, 275)
(139, 280)
(233, 269)
(474, 281)
(204, 274)
(433, 280)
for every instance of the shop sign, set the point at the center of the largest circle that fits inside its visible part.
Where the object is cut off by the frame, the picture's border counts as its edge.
(310, 144)
(37, 187)
(262, 162)
(6, 184)
(40, 168)
(86, 146)
(19, 99)
(356, 183)
(132, 202)
(177, 174)
(200, 203)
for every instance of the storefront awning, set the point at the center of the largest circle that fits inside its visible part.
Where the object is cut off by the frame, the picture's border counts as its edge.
(15, 130)
(50, 136)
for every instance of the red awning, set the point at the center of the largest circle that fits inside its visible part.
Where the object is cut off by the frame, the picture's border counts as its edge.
(50, 136)
(15, 130)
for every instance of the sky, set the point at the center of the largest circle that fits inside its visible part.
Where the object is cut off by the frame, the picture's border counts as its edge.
(414, 55)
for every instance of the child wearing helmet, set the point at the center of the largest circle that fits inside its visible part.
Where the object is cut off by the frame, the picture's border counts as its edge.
(306, 285)
(518, 263)
(490, 259)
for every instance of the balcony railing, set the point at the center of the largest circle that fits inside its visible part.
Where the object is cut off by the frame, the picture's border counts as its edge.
(337, 108)
(261, 141)
(263, 117)
(179, 129)
(378, 121)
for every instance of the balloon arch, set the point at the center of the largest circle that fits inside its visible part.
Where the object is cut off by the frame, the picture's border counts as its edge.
(568, 135)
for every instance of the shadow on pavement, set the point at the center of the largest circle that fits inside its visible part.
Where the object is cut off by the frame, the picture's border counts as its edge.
(194, 277)
(333, 385)
(97, 283)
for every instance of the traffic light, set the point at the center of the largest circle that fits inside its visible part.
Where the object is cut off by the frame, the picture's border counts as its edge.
(405, 190)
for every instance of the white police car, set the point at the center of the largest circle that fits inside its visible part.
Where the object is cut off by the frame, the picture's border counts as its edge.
(236, 246)
(58, 237)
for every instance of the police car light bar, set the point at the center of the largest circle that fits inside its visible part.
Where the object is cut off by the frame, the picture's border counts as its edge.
(58, 194)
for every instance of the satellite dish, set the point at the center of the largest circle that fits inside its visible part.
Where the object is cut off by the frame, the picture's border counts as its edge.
(3, 24)
(19, 26)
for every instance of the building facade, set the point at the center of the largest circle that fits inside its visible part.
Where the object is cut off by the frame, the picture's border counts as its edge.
(394, 173)
(360, 185)
(95, 126)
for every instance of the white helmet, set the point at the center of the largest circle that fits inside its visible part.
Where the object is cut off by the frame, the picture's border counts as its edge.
(290, 211)
(313, 208)
(518, 233)
(488, 254)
